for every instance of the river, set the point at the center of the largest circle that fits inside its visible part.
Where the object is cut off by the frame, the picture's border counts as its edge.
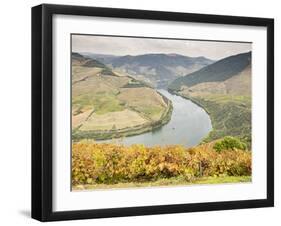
(189, 124)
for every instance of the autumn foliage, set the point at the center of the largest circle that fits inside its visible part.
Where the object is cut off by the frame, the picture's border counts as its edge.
(109, 163)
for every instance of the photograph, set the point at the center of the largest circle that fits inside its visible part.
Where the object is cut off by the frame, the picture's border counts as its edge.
(143, 112)
(149, 111)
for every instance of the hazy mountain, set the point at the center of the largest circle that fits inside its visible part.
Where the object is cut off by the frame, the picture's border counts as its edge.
(105, 58)
(77, 56)
(231, 74)
(156, 69)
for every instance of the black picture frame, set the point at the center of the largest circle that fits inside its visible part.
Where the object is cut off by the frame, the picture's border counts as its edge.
(42, 111)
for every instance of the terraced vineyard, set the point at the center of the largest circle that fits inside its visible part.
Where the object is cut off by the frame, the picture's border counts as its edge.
(107, 105)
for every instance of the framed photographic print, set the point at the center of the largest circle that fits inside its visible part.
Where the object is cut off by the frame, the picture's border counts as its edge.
(145, 112)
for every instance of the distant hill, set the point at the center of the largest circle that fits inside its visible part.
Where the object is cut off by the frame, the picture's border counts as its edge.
(105, 58)
(156, 69)
(152, 60)
(77, 56)
(78, 59)
(218, 72)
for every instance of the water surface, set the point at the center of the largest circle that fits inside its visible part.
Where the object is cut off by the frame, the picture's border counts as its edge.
(189, 124)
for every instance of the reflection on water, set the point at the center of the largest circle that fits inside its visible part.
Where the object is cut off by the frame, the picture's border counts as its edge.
(189, 124)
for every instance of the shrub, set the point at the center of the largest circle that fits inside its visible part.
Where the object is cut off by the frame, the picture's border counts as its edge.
(229, 143)
(109, 163)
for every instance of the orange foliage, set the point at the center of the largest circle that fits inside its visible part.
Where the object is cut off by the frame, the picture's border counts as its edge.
(111, 163)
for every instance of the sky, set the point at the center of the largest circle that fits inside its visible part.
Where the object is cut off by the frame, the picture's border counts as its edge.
(136, 46)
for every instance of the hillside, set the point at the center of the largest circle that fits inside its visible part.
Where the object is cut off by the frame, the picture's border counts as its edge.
(79, 60)
(156, 69)
(219, 71)
(223, 89)
(105, 58)
(230, 115)
(101, 108)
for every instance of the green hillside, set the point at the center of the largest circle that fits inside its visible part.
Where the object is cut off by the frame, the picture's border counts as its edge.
(217, 72)
(223, 89)
(230, 116)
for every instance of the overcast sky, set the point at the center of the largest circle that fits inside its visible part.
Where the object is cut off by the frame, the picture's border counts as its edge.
(136, 46)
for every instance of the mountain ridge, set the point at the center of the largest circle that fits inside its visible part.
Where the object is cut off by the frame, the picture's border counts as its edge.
(219, 71)
(158, 69)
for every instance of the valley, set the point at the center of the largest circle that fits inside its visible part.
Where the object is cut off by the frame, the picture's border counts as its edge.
(159, 112)
(109, 104)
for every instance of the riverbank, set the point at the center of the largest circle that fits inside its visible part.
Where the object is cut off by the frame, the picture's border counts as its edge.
(126, 132)
(230, 115)
(189, 123)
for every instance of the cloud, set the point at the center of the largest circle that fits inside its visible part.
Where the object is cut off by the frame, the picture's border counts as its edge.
(136, 46)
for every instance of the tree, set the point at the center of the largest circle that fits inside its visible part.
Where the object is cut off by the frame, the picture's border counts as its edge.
(229, 143)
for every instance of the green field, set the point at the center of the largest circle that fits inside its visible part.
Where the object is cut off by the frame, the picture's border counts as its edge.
(101, 102)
